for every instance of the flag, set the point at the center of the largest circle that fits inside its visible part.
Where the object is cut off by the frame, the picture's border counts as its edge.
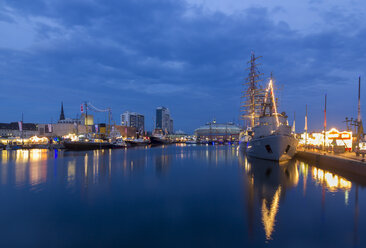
(20, 125)
(82, 108)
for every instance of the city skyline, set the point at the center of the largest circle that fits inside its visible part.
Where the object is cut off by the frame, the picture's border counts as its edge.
(190, 56)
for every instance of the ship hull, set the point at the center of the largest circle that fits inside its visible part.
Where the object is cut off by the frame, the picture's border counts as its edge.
(83, 146)
(158, 141)
(136, 143)
(273, 147)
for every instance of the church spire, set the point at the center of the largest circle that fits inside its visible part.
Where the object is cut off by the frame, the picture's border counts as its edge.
(62, 115)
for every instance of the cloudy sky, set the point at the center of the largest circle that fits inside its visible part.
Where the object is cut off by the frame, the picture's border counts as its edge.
(189, 56)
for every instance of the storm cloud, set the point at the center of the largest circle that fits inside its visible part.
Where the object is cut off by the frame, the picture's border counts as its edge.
(137, 55)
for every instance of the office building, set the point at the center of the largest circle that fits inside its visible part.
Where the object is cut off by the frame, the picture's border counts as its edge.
(164, 120)
(133, 119)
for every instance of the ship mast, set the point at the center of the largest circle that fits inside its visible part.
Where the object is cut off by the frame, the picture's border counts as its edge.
(253, 94)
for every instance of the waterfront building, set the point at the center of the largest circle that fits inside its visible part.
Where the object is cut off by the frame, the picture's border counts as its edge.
(164, 120)
(65, 120)
(213, 131)
(126, 132)
(133, 119)
(87, 119)
(62, 129)
(18, 129)
(71, 121)
(333, 139)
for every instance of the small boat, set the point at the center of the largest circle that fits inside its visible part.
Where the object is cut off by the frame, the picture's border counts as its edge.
(191, 142)
(119, 143)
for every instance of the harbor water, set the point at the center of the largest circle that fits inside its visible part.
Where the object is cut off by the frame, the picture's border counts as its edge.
(174, 196)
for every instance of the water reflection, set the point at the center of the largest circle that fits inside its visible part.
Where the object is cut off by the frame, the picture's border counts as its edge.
(268, 181)
(29, 168)
(331, 181)
(178, 190)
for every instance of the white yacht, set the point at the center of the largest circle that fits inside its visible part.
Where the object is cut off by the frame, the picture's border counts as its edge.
(272, 138)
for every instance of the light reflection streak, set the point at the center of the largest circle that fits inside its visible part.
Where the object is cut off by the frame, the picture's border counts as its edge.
(269, 213)
(20, 173)
(5, 157)
(71, 167)
(267, 180)
(331, 181)
(86, 166)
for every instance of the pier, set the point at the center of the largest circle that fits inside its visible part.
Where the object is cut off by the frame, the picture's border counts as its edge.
(348, 164)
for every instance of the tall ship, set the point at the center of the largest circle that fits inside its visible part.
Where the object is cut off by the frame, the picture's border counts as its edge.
(269, 136)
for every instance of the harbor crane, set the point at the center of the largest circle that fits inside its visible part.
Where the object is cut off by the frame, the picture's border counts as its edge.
(88, 106)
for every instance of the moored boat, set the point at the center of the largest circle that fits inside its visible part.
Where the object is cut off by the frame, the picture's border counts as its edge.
(119, 143)
(86, 145)
(137, 142)
(158, 138)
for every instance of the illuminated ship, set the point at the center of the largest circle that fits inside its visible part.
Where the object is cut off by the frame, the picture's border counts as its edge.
(272, 137)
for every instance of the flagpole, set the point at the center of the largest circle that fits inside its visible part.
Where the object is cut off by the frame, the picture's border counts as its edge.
(325, 119)
(22, 127)
(306, 125)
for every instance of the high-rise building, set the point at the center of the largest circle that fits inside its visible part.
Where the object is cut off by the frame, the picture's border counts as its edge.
(164, 120)
(133, 119)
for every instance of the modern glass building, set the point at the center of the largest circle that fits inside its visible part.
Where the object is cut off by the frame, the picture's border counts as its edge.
(164, 120)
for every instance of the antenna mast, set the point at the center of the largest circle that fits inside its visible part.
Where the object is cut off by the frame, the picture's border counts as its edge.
(359, 120)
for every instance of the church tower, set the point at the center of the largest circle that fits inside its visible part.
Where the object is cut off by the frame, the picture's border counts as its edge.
(62, 115)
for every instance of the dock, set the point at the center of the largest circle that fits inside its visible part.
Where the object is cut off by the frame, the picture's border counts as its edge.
(347, 164)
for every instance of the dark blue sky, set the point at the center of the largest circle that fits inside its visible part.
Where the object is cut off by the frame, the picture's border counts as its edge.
(189, 56)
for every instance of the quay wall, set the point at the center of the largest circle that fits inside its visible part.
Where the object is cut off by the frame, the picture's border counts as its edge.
(350, 168)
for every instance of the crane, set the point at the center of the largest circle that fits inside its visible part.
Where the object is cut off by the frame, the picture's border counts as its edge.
(89, 106)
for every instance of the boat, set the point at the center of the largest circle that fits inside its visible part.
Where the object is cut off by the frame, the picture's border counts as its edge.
(14, 146)
(119, 143)
(272, 138)
(137, 142)
(158, 138)
(86, 145)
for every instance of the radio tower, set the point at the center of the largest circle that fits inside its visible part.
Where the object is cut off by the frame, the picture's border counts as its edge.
(252, 97)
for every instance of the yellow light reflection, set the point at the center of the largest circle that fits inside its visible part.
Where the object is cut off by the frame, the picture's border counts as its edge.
(71, 172)
(332, 182)
(269, 214)
(4, 157)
